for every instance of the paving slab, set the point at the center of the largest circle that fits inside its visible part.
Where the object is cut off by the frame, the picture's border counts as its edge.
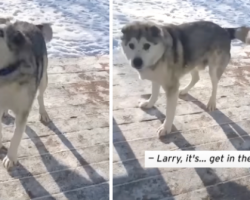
(69, 158)
(134, 132)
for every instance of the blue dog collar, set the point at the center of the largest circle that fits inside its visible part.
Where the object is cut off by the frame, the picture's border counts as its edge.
(9, 69)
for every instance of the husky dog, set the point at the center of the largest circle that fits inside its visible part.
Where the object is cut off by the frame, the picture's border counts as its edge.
(164, 53)
(23, 72)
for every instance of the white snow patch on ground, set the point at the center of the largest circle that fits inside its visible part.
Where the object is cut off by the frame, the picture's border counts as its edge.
(81, 27)
(230, 13)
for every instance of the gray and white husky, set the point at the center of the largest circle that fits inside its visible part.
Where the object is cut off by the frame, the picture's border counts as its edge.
(164, 53)
(23, 72)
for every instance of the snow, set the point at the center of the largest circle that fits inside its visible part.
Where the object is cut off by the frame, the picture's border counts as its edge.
(227, 13)
(80, 27)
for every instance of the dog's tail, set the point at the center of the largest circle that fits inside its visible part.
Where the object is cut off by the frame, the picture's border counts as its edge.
(241, 33)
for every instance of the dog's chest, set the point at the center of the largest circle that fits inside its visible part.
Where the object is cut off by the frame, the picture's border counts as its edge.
(13, 96)
(158, 75)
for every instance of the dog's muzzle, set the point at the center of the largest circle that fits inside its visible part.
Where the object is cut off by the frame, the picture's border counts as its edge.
(137, 63)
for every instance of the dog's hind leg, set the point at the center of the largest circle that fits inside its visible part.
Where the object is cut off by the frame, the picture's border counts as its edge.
(20, 124)
(44, 117)
(211, 106)
(215, 72)
(153, 98)
(195, 78)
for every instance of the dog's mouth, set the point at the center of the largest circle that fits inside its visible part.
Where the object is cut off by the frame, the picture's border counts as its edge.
(138, 69)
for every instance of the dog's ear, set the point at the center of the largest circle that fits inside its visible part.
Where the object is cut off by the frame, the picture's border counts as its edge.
(167, 37)
(46, 30)
(5, 19)
(3, 29)
(124, 30)
(1, 33)
(155, 31)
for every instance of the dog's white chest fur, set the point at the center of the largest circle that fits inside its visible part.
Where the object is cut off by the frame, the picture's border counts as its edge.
(12, 96)
(158, 75)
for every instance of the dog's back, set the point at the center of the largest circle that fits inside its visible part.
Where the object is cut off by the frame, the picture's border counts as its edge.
(199, 41)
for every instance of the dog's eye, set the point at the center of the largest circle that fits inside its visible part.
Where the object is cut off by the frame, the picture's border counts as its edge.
(146, 46)
(131, 46)
(1, 33)
(18, 38)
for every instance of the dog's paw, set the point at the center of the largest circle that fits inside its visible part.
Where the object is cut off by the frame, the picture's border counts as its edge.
(146, 105)
(183, 92)
(44, 118)
(211, 106)
(8, 163)
(161, 131)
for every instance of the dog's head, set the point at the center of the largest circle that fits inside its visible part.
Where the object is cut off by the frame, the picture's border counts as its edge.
(142, 43)
(14, 39)
(11, 41)
(9, 29)
(9, 32)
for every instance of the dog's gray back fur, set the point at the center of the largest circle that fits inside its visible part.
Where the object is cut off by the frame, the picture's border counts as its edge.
(28, 46)
(199, 40)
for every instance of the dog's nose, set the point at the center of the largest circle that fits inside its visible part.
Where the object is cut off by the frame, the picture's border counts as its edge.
(137, 62)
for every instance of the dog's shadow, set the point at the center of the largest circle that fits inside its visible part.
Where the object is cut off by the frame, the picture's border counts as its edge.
(8, 119)
(32, 187)
(154, 111)
(19, 168)
(212, 182)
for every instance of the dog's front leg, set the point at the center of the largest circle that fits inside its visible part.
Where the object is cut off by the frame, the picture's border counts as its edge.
(153, 98)
(1, 136)
(172, 94)
(11, 157)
